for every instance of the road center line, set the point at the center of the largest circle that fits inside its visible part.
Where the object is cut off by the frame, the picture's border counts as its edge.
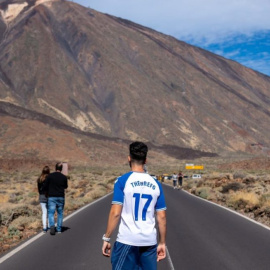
(169, 259)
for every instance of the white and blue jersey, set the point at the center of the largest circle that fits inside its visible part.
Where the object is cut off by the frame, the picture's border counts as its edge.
(141, 195)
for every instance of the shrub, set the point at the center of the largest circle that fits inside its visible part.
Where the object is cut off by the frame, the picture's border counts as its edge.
(13, 231)
(97, 172)
(265, 200)
(4, 198)
(34, 202)
(200, 184)
(231, 186)
(190, 183)
(97, 194)
(72, 205)
(36, 224)
(203, 192)
(249, 180)
(22, 221)
(241, 199)
(104, 185)
(19, 198)
(12, 198)
(32, 194)
(241, 175)
(111, 181)
(13, 213)
(257, 188)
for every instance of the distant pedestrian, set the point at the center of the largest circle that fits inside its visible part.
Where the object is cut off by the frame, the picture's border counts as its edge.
(174, 178)
(43, 196)
(145, 168)
(180, 180)
(56, 184)
(137, 198)
(163, 178)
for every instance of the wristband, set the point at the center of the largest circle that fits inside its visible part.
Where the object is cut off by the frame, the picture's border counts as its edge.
(104, 238)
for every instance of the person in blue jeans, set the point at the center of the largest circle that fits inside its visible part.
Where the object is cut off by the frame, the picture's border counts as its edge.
(56, 183)
(138, 198)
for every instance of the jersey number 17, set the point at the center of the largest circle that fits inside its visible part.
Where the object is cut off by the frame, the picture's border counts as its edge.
(138, 199)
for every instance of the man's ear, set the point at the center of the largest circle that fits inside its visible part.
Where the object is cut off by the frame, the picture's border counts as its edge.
(129, 158)
(145, 161)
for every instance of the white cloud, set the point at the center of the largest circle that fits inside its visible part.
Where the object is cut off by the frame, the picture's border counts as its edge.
(232, 54)
(191, 19)
(221, 26)
(257, 61)
(260, 65)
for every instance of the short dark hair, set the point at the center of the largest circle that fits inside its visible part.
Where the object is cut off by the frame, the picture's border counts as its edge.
(59, 166)
(138, 152)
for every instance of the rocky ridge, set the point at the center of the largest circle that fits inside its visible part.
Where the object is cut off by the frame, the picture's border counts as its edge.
(97, 74)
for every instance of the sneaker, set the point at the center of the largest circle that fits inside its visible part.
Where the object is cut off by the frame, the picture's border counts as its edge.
(58, 232)
(52, 230)
(44, 230)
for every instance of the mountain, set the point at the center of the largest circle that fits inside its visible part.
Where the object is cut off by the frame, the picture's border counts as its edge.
(93, 73)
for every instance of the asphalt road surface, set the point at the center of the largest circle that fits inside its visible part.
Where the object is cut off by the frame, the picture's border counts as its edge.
(200, 236)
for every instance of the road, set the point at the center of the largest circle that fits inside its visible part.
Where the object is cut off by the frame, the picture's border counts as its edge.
(200, 236)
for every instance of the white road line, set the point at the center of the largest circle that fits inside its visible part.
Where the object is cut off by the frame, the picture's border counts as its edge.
(13, 252)
(169, 259)
(232, 211)
(228, 209)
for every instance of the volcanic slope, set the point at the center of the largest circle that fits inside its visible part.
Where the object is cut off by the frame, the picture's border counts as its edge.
(105, 75)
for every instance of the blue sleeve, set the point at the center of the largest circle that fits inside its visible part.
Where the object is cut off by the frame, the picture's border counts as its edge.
(118, 193)
(119, 185)
(160, 205)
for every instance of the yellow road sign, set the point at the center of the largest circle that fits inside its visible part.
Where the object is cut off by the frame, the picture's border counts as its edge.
(194, 167)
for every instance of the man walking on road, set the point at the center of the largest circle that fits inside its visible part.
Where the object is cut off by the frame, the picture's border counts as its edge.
(137, 197)
(56, 183)
(180, 180)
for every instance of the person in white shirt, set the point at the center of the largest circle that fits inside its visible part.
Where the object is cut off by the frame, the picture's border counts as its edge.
(137, 198)
(174, 178)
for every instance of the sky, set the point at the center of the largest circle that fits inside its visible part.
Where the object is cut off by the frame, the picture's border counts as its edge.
(235, 29)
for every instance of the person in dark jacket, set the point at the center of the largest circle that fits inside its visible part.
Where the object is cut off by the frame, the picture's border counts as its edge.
(42, 195)
(56, 184)
(180, 180)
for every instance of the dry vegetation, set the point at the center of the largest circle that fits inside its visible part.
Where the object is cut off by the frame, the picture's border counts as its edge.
(20, 212)
(244, 188)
